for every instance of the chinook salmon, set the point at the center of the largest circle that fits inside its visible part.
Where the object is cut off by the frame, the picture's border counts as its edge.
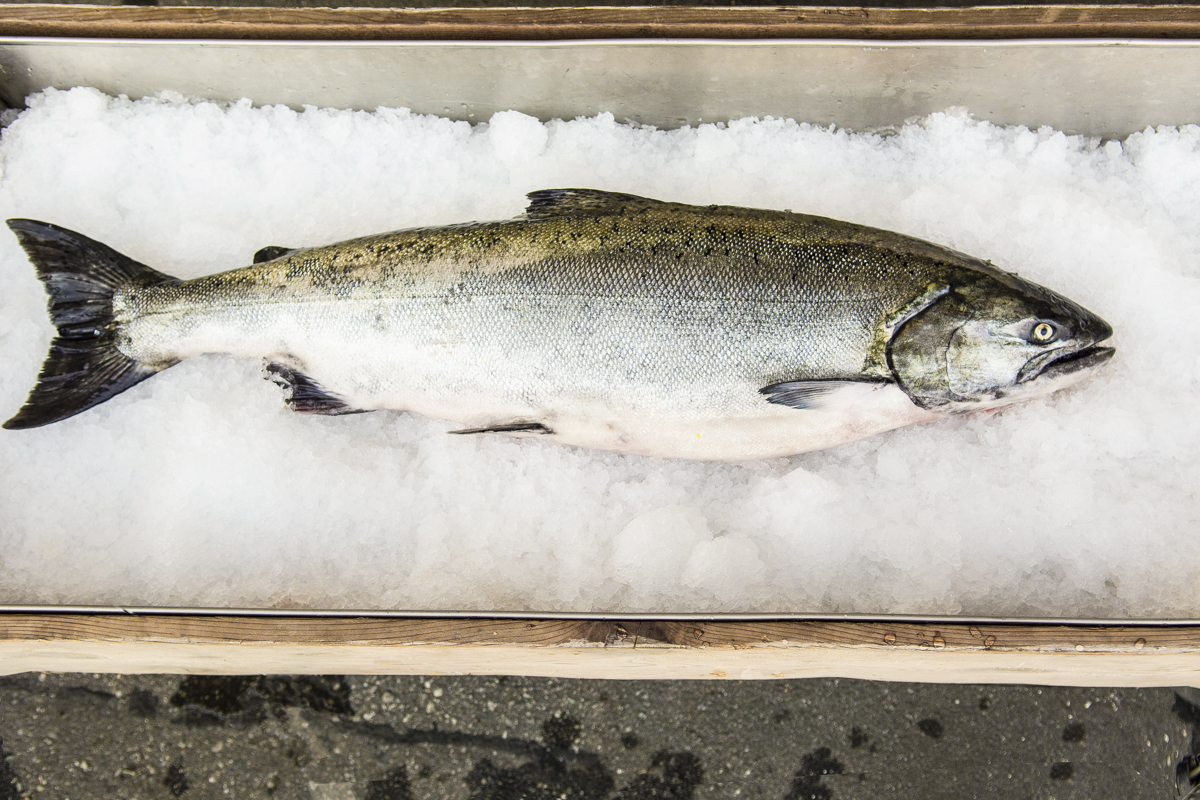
(595, 319)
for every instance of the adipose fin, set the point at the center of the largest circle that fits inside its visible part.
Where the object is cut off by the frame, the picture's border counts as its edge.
(272, 252)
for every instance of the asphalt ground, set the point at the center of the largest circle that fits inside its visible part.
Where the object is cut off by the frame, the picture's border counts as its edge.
(93, 737)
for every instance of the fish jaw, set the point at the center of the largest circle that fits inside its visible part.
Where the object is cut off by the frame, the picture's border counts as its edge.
(1068, 370)
(1078, 365)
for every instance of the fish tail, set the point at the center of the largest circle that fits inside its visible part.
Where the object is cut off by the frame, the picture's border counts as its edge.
(84, 367)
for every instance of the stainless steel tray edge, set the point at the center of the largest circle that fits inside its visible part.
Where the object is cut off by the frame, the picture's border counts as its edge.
(1101, 87)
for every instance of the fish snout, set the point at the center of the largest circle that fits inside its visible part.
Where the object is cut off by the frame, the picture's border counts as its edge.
(1098, 329)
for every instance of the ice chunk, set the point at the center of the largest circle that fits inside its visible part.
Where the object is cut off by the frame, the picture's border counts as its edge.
(652, 551)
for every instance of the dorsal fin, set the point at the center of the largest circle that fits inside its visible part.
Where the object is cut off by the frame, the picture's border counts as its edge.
(560, 202)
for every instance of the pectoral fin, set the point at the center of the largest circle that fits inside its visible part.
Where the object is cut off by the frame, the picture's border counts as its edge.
(820, 394)
(510, 427)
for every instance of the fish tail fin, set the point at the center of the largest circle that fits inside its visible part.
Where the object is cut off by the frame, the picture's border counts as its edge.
(84, 367)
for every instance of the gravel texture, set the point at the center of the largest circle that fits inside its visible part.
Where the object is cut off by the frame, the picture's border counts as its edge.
(92, 737)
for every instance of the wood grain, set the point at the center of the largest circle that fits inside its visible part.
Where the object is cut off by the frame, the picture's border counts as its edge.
(962, 653)
(1008, 22)
(644, 633)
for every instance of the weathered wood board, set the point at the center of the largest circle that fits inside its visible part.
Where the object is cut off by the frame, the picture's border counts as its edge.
(532, 24)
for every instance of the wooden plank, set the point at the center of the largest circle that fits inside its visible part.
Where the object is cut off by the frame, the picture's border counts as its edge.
(951, 653)
(532, 24)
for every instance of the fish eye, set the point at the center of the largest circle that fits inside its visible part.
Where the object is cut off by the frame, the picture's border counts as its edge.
(1043, 333)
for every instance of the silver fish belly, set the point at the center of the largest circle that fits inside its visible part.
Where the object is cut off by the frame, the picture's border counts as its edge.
(596, 319)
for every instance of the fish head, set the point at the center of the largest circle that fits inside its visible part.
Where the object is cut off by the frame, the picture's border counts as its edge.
(994, 340)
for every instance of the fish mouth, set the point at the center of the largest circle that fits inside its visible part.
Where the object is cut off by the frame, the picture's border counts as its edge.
(1085, 360)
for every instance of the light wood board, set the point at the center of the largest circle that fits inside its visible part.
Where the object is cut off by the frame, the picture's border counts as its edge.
(647, 649)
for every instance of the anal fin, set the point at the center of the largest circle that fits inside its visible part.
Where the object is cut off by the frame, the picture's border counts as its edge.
(818, 394)
(510, 427)
(307, 396)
